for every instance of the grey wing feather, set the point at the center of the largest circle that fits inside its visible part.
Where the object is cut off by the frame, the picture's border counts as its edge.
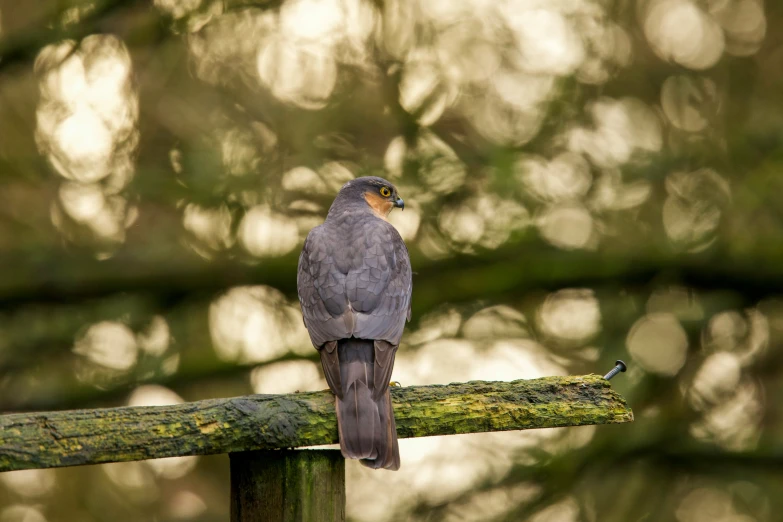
(331, 365)
(384, 286)
(384, 363)
(325, 321)
(321, 287)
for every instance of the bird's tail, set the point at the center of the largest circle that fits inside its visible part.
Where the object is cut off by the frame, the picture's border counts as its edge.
(367, 428)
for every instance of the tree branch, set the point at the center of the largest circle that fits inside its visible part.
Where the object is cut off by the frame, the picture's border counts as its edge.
(253, 422)
(513, 269)
(23, 46)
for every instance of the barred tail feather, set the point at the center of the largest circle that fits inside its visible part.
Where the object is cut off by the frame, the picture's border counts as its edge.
(388, 449)
(367, 428)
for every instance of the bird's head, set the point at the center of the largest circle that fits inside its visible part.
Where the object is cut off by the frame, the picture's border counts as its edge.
(379, 194)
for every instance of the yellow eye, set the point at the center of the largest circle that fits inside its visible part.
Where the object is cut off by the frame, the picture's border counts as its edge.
(385, 192)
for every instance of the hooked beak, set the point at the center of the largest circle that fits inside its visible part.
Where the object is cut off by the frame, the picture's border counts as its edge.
(400, 204)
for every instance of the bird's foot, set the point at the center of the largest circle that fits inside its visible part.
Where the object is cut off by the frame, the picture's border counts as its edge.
(395, 383)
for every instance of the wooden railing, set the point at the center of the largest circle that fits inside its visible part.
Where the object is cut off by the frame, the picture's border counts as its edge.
(269, 482)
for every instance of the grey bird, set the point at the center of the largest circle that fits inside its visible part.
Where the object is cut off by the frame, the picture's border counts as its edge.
(354, 283)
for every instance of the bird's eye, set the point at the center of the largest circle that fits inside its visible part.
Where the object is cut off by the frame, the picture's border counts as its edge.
(385, 192)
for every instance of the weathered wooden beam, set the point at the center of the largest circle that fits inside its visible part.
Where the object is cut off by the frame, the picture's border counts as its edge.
(288, 486)
(253, 422)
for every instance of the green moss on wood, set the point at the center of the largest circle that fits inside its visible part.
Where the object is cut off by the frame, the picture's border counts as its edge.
(72, 438)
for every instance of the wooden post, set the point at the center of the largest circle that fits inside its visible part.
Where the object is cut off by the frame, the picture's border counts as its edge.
(288, 486)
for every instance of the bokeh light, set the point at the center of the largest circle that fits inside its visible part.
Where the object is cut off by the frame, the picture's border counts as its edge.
(30, 483)
(109, 344)
(22, 513)
(584, 181)
(570, 315)
(255, 324)
(658, 343)
(87, 128)
(287, 377)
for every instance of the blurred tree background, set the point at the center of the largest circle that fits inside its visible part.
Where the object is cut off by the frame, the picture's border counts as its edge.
(585, 180)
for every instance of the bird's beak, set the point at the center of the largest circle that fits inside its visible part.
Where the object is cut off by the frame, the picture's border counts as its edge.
(399, 203)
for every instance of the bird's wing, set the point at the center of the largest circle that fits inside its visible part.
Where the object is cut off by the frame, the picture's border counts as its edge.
(380, 288)
(380, 293)
(322, 294)
(325, 310)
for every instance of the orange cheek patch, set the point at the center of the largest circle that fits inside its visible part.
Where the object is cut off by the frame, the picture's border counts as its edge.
(381, 206)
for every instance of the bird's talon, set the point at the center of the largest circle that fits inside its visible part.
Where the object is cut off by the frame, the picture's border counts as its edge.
(395, 383)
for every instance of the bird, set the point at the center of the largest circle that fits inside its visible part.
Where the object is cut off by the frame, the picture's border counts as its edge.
(355, 285)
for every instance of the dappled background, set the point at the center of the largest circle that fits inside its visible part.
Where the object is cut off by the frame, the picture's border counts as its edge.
(585, 180)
